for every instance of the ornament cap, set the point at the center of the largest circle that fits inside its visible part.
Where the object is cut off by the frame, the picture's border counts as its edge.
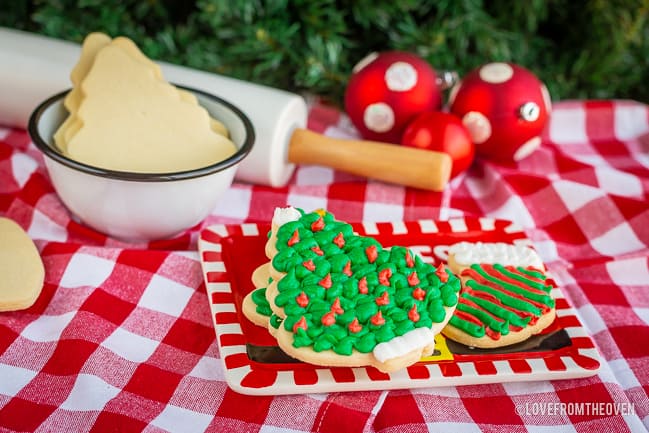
(529, 111)
(447, 79)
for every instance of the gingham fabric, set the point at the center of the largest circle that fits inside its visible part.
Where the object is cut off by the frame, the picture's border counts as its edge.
(121, 338)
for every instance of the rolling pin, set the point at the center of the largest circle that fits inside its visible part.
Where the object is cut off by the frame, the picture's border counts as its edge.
(36, 67)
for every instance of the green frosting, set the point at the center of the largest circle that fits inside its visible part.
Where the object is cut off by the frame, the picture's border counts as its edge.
(476, 330)
(332, 266)
(275, 321)
(259, 298)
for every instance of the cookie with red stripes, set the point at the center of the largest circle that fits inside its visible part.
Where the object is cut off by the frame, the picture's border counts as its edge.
(345, 300)
(501, 305)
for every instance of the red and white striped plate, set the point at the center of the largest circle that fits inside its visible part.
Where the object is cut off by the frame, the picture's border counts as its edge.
(229, 254)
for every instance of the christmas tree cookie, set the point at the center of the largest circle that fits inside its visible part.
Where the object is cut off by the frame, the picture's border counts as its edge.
(333, 298)
(500, 303)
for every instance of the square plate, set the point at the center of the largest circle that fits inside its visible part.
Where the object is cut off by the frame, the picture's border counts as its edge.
(255, 365)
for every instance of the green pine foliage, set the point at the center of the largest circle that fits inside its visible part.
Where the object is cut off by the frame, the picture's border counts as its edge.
(584, 50)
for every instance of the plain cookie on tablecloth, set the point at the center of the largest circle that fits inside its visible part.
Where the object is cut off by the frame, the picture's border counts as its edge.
(21, 268)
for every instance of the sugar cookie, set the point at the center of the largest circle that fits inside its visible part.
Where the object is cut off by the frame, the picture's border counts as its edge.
(501, 305)
(21, 268)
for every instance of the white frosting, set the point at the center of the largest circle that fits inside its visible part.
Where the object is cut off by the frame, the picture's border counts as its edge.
(403, 344)
(283, 215)
(467, 253)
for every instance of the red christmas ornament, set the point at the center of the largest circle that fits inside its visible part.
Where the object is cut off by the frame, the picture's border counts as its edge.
(505, 108)
(387, 90)
(443, 132)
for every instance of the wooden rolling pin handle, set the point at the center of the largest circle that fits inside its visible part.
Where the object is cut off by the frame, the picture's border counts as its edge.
(402, 165)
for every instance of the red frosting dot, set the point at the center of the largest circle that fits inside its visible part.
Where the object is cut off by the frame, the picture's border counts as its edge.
(328, 319)
(409, 262)
(300, 324)
(309, 265)
(413, 314)
(413, 279)
(317, 225)
(441, 273)
(326, 281)
(339, 240)
(377, 319)
(362, 286)
(347, 270)
(295, 238)
(317, 250)
(384, 299)
(302, 300)
(371, 253)
(355, 327)
(419, 294)
(384, 276)
(336, 308)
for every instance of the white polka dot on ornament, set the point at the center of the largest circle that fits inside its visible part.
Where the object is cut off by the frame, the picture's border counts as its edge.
(378, 117)
(478, 125)
(401, 76)
(495, 73)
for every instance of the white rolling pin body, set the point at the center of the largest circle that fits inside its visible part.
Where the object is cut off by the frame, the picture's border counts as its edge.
(34, 67)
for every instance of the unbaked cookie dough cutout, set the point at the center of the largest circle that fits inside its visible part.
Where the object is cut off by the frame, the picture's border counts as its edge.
(116, 84)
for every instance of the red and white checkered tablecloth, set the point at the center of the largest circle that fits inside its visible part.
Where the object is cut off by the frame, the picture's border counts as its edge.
(121, 338)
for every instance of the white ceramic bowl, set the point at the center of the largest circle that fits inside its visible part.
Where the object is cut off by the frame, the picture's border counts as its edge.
(139, 206)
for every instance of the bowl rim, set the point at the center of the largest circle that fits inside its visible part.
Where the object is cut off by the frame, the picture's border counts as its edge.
(51, 152)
